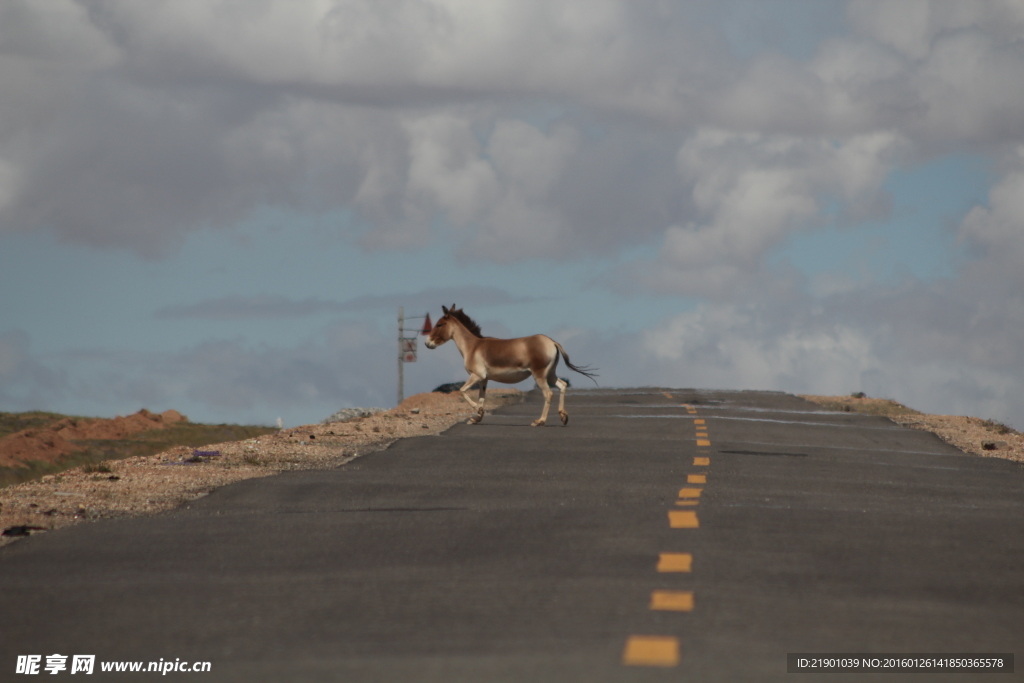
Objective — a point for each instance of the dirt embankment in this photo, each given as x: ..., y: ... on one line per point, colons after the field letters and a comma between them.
x: 58, y: 440
x: 147, y: 484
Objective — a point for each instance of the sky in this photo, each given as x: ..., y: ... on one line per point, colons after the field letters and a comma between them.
x: 219, y: 206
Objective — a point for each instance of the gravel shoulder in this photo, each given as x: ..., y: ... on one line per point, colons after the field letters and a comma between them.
x: 972, y: 435
x: 150, y: 484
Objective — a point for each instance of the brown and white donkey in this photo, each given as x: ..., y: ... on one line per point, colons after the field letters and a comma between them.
x: 504, y: 360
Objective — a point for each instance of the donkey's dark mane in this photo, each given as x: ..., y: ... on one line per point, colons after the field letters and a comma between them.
x: 468, y: 322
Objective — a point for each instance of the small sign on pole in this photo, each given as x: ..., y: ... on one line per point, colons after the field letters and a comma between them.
x: 409, y: 349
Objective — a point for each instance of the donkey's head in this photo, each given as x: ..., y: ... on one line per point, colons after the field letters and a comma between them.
x: 443, y: 329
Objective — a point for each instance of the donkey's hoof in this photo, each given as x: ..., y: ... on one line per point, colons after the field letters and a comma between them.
x: 538, y: 423
x: 474, y: 420
x: 565, y: 416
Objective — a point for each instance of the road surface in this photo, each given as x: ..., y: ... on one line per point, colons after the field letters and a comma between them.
x: 665, y: 534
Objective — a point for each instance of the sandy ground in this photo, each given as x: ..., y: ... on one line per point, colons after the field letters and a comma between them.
x: 145, y: 485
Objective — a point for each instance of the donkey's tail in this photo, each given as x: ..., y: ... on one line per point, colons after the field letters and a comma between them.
x: 585, y: 370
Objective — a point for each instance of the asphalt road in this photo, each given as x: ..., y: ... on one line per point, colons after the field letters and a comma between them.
x: 663, y: 535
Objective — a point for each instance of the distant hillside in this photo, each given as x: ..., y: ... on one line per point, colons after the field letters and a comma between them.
x: 36, y: 443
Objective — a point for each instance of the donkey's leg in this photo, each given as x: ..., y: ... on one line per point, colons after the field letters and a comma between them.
x: 479, y: 404
x: 473, y: 379
x: 542, y: 382
x: 562, y: 386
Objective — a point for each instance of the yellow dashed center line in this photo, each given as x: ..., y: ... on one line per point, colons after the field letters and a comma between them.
x: 676, y: 601
x: 651, y: 651
x: 661, y: 650
x: 674, y: 562
x: 682, y: 519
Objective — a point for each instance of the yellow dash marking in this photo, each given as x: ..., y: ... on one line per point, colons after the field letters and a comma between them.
x: 702, y: 462
x: 689, y: 501
x: 702, y: 435
x: 651, y: 651
x: 666, y: 395
x: 677, y: 601
x: 703, y: 442
x: 682, y: 519
x: 674, y: 562
x: 696, y: 478
x: 689, y: 493
x: 698, y: 421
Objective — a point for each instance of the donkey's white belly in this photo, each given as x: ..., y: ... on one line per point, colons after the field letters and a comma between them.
x: 507, y: 376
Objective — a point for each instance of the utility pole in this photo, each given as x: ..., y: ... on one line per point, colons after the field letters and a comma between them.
x: 407, y: 347
x: 401, y: 353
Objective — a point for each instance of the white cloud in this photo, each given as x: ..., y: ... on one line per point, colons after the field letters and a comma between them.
x: 942, y: 72
x: 961, y: 61
x: 914, y: 26
x: 58, y: 32
x: 997, y: 230
x: 130, y: 126
x: 446, y: 166
x: 750, y: 192
x: 147, y: 123
x: 738, y: 347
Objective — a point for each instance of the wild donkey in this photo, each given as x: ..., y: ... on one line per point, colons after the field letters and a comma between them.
x: 503, y: 360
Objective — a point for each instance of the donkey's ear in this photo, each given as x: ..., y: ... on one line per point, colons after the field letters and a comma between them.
x: 453, y: 307
x: 444, y: 309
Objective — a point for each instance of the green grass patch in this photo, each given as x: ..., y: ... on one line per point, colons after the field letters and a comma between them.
x: 95, y: 451
x: 35, y: 419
